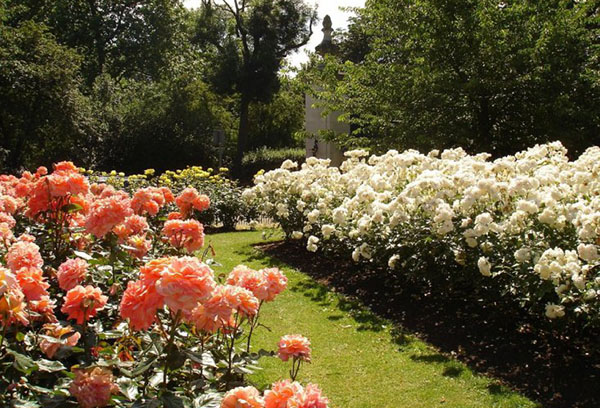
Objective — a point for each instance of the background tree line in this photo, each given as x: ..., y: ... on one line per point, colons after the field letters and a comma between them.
x: 128, y: 84
x: 123, y: 84
x: 487, y: 75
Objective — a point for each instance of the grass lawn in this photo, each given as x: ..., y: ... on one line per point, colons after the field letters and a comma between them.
x: 359, y: 360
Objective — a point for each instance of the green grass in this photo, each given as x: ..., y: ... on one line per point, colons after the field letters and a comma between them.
x: 358, y: 359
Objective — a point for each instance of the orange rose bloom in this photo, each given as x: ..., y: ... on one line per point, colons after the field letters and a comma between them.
x: 32, y: 283
x: 81, y: 303
x: 185, y: 283
x: 214, y: 313
x: 12, y: 308
x: 242, y: 300
x: 105, y: 213
x: 152, y: 270
x: 24, y: 255
x: 148, y: 201
x: 44, y: 306
x: 250, y: 279
x: 66, y: 336
x: 295, y: 346
x: 141, y: 245
x: 139, y: 304
x: 276, y: 282
x: 242, y: 397
x: 281, y: 392
x: 93, y: 387
x: 184, y: 234
x: 71, y: 273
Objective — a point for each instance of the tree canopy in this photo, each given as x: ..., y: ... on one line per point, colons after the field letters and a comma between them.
x: 484, y: 75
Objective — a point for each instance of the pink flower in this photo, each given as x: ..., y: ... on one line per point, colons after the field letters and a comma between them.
x: 93, y: 387
x: 276, y: 282
x: 32, y: 283
x: 105, y: 213
x: 148, y: 201
x: 152, y: 270
x: 184, y: 234
x: 242, y: 397
x: 242, y: 300
x: 139, y: 304
x: 281, y: 392
x: 189, y: 199
x: 81, y: 303
x: 24, y: 255
x: 214, y: 313
x: 250, y: 279
x: 71, y: 273
x: 185, y: 283
x: 44, y: 306
x: 64, y: 335
x: 295, y: 346
x: 141, y: 245
x: 133, y: 225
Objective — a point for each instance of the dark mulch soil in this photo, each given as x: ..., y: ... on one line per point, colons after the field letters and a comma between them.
x: 524, y: 352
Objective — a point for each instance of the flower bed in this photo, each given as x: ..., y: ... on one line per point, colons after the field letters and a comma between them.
x: 102, y: 302
x: 227, y: 207
x: 525, y: 227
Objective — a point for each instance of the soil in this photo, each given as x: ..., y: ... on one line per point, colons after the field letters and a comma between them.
x: 523, y: 352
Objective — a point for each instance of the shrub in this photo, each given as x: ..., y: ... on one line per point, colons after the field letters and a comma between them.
x: 269, y: 159
x: 103, y: 303
x: 521, y: 229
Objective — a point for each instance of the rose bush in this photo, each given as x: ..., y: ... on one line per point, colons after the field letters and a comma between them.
x: 103, y: 301
x: 526, y: 227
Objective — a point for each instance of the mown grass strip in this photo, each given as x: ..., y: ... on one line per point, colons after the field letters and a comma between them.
x: 359, y: 360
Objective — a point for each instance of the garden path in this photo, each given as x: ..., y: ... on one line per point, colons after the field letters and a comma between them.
x: 359, y: 359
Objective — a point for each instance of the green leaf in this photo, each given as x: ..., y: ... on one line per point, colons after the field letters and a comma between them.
x: 143, y: 367
x: 83, y: 255
x: 71, y: 208
x: 23, y: 363
x: 172, y: 401
x: 50, y: 366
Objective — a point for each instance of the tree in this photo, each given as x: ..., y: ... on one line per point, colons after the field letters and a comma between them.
x: 485, y: 75
x: 124, y: 38
x: 251, y: 38
x: 43, y: 115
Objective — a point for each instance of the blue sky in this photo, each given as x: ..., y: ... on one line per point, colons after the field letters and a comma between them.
x: 331, y: 7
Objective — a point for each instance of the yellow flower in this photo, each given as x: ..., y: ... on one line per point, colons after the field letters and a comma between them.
x: 113, y: 173
x: 149, y: 172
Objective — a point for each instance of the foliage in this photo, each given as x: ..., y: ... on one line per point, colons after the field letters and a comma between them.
x: 484, y: 75
x: 227, y: 207
x: 269, y: 159
x: 143, y: 322
x: 250, y: 40
x: 43, y: 114
x: 520, y: 230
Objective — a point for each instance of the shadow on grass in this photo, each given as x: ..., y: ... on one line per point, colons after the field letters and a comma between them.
x: 542, y: 364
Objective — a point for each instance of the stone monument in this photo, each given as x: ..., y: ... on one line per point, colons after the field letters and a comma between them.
x: 314, y: 120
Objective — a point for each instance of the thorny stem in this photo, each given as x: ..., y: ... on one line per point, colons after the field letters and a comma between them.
x: 295, y: 368
x: 172, y: 334
x: 253, y: 324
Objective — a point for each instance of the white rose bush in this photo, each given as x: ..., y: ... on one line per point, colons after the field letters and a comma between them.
x: 525, y: 227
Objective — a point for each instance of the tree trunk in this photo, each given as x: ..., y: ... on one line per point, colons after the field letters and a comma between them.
x: 242, y: 134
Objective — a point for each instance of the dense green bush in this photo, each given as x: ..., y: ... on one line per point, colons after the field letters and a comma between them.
x: 269, y: 159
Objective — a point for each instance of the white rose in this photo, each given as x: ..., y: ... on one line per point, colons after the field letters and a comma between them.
x: 485, y: 267
x: 554, y: 311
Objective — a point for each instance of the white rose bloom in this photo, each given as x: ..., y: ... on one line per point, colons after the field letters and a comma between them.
x: 587, y: 252
x: 297, y: 235
x: 288, y: 165
x: 554, y: 311
x: 327, y: 230
x: 312, y: 243
x: 485, y: 267
x: 523, y: 254
x: 471, y: 242
x: 393, y: 260
x: 356, y: 255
